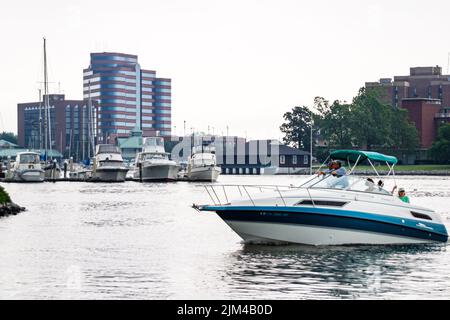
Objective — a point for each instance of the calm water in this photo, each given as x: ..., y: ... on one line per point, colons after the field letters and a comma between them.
x: 143, y: 241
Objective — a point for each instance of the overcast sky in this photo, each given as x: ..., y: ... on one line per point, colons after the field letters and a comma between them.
x: 237, y: 63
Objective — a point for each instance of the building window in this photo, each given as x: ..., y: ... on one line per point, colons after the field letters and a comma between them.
x: 305, y: 160
x: 294, y: 159
x: 282, y: 160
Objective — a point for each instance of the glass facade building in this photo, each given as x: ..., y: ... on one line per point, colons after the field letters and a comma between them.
x: 129, y: 97
x: 69, y: 126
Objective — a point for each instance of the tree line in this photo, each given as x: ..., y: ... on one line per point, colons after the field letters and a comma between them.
x: 365, y: 123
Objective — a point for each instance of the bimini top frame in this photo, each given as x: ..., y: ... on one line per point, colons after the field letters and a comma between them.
x: 358, y: 156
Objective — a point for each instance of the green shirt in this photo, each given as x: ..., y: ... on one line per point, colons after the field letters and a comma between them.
x: 404, y: 199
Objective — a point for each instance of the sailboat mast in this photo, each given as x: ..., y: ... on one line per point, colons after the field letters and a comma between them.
x: 49, y: 126
x: 45, y: 104
x: 40, y: 121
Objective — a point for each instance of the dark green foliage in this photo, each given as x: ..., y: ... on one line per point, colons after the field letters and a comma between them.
x: 297, y: 127
x: 440, y: 150
x: 366, y: 123
x: 4, y: 196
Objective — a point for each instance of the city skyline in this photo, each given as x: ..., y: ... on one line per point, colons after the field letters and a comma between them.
x: 227, y: 70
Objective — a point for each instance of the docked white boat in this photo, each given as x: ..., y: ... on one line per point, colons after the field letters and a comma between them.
x: 202, y: 165
x: 327, y: 210
x: 153, y: 164
x: 108, y: 164
x: 26, y: 168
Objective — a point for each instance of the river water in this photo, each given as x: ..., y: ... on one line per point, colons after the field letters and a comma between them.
x: 143, y: 241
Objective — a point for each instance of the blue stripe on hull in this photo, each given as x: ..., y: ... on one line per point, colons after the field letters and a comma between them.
x: 322, y: 217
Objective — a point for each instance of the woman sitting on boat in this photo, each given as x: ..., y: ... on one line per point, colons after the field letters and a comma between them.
x: 401, y: 194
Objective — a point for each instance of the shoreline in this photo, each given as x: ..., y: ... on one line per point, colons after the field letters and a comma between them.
x: 383, y: 173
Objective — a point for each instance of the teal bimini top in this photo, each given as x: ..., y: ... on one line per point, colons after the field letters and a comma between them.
x: 353, y: 155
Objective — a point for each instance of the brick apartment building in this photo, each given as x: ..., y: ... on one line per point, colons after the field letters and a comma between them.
x: 425, y: 92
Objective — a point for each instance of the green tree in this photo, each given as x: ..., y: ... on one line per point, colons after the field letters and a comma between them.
x: 370, y: 121
x: 333, y: 122
x: 4, y: 196
x: 404, y: 134
x: 8, y: 136
x: 440, y: 150
x: 366, y: 123
x: 297, y: 127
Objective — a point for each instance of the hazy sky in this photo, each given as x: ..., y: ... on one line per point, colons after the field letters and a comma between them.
x: 236, y: 63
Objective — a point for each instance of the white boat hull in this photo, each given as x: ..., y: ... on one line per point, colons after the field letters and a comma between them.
x: 204, y: 174
x: 110, y: 174
x: 30, y: 176
x: 277, y: 233
x: 26, y: 176
x: 158, y: 172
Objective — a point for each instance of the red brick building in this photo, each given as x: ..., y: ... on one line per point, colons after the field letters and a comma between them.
x: 425, y: 92
x: 422, y: 112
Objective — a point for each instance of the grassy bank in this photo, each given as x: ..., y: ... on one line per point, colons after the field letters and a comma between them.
x: 408, y: 168
x: 425, y: 167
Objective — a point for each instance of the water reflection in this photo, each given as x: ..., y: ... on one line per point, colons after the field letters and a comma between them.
x: 144, y: 241
x: 304, y: 272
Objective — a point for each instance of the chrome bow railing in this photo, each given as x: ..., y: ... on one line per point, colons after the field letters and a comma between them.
x: 221, y: 194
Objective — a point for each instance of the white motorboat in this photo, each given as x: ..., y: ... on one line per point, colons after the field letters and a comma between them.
x: 153, y: 164
x: 202, y: 165
x: 108, y: 164
x: 26, y: 168
x: 328, y: 210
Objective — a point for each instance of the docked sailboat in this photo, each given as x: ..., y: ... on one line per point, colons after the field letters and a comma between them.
x: 328, y: 210
x: 153, y: 164
x: 202, y: 165
x: 26, y: 168
x: 108, y: 164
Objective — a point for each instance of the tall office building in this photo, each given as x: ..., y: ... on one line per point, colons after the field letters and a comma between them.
x: 129, y: 97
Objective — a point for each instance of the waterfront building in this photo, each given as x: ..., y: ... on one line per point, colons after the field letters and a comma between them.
x: 236, y: 155
x: 130, y: 146
x: 11, y: 153
x: 7, y: 145
x: 69, y: 126
x: 129, y: 97
x: 264, y: 157
x: 425, y: 92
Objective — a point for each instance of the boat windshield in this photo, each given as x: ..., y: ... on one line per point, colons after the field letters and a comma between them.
x: 349, y: 183
x: 107, y: 148
x: 150, y: 156
x: 29, y: 158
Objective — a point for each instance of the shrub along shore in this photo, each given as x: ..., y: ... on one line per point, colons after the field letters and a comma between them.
x: 7, y: 207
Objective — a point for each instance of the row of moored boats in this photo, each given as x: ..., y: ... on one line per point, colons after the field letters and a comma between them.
x: 151, y: 164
